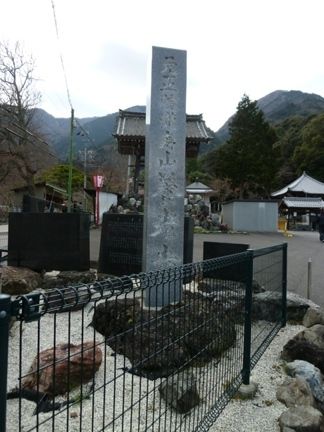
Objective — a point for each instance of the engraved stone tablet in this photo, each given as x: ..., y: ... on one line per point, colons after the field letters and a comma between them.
x: 121, y: 243
x: 165, y: 170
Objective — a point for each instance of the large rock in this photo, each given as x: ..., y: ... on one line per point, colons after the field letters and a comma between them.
x: 211, y: 286
x: 231, y: 302
x: 151, y: 349
x: 202, y: 326
x: 295, y: 392
x: 19, y: 280
x: 267, y: 306
x: 116, y: 316
x: 76, y: 277
x: 180, y: 392
x: 313, y: 316
x: 224, y: 297
x: 228, y: 295
x: 307, y: 345
x: 62, y: 279
x: 158, y: 342
x: 143, y: 336
x: 302, y: 419
x: 74, y: 365
x: 309, y: 373
x: 50, y: 283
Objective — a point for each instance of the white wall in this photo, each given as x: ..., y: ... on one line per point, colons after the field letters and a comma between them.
x: 106, y: 200
x: 251, y: 215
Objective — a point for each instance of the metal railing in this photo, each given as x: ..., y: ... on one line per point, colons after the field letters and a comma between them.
x: 95, y: 357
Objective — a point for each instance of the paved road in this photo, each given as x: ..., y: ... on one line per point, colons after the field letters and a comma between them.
x: 302, y: 246
x: 3, y: 228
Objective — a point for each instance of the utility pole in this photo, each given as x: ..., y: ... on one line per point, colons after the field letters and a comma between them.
x: 85, y: 179
x: 128, y: 174
x: 70, y: 162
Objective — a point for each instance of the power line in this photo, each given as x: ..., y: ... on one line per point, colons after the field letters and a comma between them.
x: 61, y: 56
x: 56, y: 101
x: 85, y: 132
x: 26, y: 131
x: 31, y: 142
x: 65, y: 75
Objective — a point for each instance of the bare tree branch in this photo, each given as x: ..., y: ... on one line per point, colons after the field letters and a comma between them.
x: 18, y: 97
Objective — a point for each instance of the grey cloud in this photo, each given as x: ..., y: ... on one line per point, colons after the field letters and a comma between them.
x: 123, y: 63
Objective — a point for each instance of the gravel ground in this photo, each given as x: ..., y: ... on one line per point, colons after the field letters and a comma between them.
x: 262, y: 412
x: 259, y: 414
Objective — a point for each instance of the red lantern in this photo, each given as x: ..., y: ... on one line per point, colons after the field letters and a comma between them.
x: 98, y: 181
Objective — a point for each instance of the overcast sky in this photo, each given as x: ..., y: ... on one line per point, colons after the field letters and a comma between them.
x: 233, y: 47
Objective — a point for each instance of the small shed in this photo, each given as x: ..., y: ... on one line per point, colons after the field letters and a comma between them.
x: 46, y: 194
x: 251, y: 215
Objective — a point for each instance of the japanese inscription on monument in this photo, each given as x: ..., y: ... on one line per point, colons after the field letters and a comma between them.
x: 165, y: 166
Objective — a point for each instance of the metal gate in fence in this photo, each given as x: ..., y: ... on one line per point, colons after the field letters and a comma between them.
x: 93, y: 357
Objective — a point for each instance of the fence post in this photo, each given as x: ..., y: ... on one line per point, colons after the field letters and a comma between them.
x: 5, y: 316
x: 309, y: 278
x: 284, y: 284
x: 248, y: 321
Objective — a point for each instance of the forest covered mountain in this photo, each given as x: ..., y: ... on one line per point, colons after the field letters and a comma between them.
x: 272, y: 141
x: 297, y: 117
x: 277, y: 107
x: 56, y: 131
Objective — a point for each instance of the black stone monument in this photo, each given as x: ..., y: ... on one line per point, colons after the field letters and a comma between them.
x: 121, y: 243
x: 235, y: 272
x: 49, y: 241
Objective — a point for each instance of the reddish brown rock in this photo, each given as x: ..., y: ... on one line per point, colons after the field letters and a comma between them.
x: 74, y: 364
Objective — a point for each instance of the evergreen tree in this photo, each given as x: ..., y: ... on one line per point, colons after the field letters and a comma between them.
x: 195, y: 170
x: 58, y: 175
x: 248, y: 159
x: 309, y: 156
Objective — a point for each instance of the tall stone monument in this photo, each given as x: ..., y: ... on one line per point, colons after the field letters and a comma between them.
x: 165, y: 152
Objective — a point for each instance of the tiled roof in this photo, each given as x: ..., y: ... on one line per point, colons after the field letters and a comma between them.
x: 305, y: 184
x: 301, y: 202
x: 132, y: 124
x: 198, y: 187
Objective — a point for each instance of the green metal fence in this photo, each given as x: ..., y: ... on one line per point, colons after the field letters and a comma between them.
x: 94, y: 357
